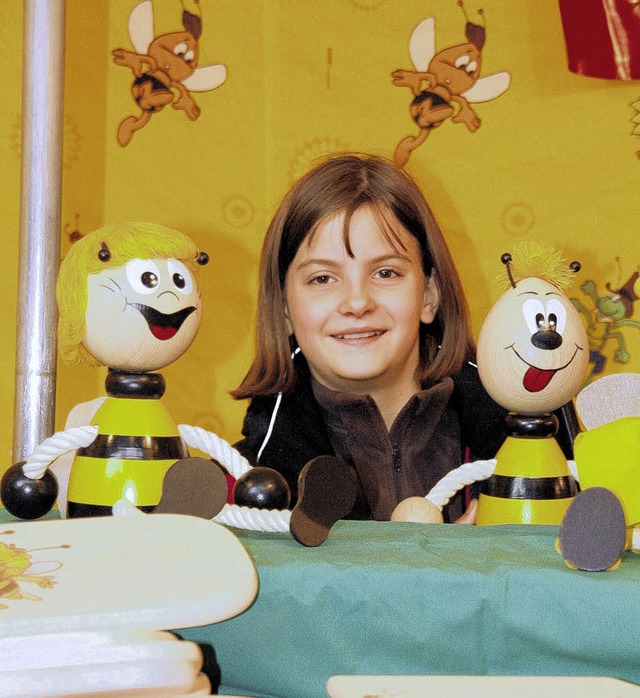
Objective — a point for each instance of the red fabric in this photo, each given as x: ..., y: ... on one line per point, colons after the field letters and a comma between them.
x: 231, y: 481
x: 602, y: 37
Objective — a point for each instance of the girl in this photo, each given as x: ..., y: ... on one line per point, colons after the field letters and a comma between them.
x: 363, y: 341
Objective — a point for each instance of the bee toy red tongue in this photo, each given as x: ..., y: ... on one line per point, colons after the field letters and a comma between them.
x: 162, y: 333
x: 537, y: 379
x: 532, y: 324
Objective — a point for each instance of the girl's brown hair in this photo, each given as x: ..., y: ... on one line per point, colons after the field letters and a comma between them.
x: 342, y: 184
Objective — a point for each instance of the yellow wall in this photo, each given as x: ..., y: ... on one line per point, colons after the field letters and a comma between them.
x: 554, y: 159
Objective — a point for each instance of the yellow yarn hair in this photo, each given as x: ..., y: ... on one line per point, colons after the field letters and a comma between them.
x: 125, y: 241
x: 531, y: 259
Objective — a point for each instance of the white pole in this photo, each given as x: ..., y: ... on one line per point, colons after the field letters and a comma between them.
x: 40, y: 215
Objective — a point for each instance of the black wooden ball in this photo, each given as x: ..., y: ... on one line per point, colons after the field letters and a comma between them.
x: 25, y: 498
x: 262, y: 488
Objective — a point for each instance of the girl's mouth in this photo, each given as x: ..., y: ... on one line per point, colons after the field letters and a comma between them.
x: 359, y: 335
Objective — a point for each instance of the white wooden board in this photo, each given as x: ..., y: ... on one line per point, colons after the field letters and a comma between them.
x: 479, y: 687
x: 152, y: 572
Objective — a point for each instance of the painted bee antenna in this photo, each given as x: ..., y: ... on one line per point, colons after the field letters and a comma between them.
x: 575, y: 266
x: 506, y: 260
x: 104, y: 255
x: 475, y: 33
x: 202, y: 259
x: 464, y: 13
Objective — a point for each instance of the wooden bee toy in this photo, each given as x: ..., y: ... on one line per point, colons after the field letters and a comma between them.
x: 532, y: 358
x: 128, y: 299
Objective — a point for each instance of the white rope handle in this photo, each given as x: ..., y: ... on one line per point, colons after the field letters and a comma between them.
x: 467, y: 474
x: 55, y: 446
x: 217, y: 448
x: 456, y: 479
x: 251, y: 519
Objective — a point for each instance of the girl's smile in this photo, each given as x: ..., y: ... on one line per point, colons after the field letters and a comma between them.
x: 357, y: 317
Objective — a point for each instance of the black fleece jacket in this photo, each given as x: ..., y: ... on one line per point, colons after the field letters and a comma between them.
x: 300, y: 432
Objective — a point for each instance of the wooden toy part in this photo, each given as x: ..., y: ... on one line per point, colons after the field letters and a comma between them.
x: 609, y: 456
x: 479, y: 687
x: 263, y: 488
x: 531, y: 484
x: 609, y: 398
x: 153, y: 326
x: 327, y: 489
x: 532, y: 349
x: 26, y: 498
x: 136, y: 444
x: 417, y: 510
x: 593, y: 534
x: 97, y: 664
x: 193, y: 486
x: 152, y: 572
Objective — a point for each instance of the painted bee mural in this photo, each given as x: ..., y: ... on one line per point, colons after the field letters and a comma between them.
x: 163, y: 66
x: 444, y: 79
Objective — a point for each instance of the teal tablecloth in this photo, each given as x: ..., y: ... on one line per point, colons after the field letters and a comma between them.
x: 391, y: 598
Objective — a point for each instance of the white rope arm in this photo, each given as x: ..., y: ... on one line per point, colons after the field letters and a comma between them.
x: 251, y: 519
x: 55, y: 446
x: 217, y: 448
x: 247, y: 518
x: 467, y: 473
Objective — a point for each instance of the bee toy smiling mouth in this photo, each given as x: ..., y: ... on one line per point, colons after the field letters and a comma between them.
x: 162, y: 325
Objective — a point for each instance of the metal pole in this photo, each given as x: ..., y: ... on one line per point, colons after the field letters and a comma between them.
x: 40, y: 214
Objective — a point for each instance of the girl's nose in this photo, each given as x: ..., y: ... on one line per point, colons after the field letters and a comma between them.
x: 356, y: 299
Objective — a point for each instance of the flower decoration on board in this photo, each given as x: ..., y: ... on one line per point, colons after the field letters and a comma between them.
x: 17, y: 567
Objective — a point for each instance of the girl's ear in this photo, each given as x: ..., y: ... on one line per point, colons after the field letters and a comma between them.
x: 431, y: 300
x: 287, y: 319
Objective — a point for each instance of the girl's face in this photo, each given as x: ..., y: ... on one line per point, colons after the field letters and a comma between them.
x: 357, y: 319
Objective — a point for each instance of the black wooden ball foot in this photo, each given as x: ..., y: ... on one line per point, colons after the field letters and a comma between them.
x: 25, y: 498
x: 262, y: 488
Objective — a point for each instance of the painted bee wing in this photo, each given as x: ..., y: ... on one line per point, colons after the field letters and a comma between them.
x: 208, y: 77
x: 422, y: 44
x: 608, y: 399
x: 141, y: 26
x: 43, y: 567
x: 488, y: 88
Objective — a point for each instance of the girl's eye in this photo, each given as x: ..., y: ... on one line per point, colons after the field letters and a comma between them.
x: 386, y: 273
x: 321, y: 279
x: 142, y: 275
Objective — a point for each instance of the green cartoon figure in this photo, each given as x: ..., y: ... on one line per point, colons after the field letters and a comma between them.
x: 610, y: 312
